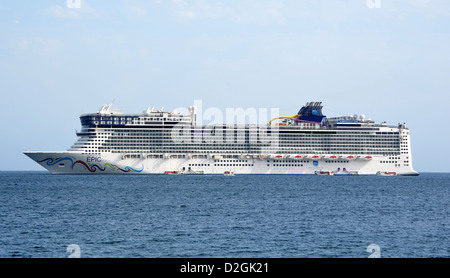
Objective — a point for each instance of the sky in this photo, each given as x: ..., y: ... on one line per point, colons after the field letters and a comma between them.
x: 386, y: 59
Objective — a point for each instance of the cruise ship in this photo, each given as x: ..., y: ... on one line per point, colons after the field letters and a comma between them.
x: 162, y: 142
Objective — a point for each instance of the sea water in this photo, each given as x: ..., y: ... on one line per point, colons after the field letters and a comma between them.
x: 242, y: 216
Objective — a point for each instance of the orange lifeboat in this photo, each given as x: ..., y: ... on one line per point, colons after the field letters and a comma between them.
x: 332, y: 157
x: 173, y: 173
x: 228, y: 173
x: 386, y: 173
x: 324, y: 173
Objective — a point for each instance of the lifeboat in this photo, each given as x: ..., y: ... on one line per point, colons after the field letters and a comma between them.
x: 349, y: 157
x: 278, y: 157
x: 379, y: 173
x: 316, y: 157
x: 173, y: 173
x: 332, y: 157
x: 298, y: 156
x: 367, y: 157
x: 324, y: 173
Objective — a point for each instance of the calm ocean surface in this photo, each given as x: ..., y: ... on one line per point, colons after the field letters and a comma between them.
x: 261, y: 216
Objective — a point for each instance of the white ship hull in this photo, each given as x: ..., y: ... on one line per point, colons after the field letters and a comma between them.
x: 159, y: 142
x: 78, y: 163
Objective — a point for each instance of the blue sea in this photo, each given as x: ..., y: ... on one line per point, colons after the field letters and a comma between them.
x: 248, y: 216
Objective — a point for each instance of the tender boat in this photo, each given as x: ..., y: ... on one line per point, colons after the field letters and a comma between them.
x: 380, y: 173
x: 228, y: 173
x: 173, y: 173
x: 324, y: 173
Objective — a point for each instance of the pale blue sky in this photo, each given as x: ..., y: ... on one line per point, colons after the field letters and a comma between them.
x: 390, y: 63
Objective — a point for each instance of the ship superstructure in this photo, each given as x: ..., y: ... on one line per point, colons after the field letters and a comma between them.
x: 161, y: 142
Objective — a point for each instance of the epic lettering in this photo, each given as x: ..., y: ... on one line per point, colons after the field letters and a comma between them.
x: 93, y: 159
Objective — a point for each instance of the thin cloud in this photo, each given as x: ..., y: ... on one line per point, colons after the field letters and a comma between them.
x: 60, y: 12
x: 182, y: 2
x: 138, y: 11
x: 246, y: 12
x: 189, y: 15
x: 40, y: 45
x: 68, y: 12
